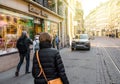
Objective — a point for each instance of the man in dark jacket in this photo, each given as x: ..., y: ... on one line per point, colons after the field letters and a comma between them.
x: 57, y: 41
x: 23, y: 44
x: 50, y: 60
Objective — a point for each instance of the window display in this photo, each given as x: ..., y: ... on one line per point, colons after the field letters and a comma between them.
x: 51, y: 27
x: 11, y: 27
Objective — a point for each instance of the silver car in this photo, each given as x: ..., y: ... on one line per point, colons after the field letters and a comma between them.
x: 81, y: 41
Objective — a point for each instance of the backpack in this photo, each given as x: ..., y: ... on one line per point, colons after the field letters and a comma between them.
x: 36, y: 45
x: 21, y: 45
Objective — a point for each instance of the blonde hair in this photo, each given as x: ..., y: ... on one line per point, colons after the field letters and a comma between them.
x: 45, y: 37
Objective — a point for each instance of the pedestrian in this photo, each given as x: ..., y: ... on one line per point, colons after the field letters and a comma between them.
x: 53, y: 42
x: 23, y: 46
x: 50, y: 61
x: 36, y: 44
x: 57, y: 42
x: 68, y: 45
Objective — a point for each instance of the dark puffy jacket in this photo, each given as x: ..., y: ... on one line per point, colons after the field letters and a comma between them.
x: 26, y: 47
x: 28, y: 43
x: 52, y: 64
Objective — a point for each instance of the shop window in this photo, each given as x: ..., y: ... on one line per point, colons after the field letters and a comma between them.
x: 11, y: 26
x: 10, y: 30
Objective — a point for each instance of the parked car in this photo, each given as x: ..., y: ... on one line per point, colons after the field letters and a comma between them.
x: 81, y: 41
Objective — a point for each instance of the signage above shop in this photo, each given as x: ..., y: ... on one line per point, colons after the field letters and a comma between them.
x: 44, y: 14
x: 37, y: 11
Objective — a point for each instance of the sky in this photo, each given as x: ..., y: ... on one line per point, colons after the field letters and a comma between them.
x: 89, y: 5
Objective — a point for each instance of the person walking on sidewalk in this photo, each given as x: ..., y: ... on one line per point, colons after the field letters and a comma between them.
x: 22, y: 45
x: 36, y: 44
x: 57, y: 41
x: 53, y: 42
x: 50, y: 60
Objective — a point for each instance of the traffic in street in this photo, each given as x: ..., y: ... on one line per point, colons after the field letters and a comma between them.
x: 99, y: 65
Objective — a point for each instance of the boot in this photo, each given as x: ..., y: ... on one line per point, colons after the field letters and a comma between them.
x: 16, y: 73
x: 27, y: 72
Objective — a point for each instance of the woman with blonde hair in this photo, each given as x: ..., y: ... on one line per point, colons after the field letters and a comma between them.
x: 50, y: 60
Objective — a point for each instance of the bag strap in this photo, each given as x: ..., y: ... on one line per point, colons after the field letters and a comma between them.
x: 40, y: 66
x: 38, y: 63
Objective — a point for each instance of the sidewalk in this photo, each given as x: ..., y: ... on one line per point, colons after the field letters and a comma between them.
x: 8, y: 68
x: 8, y: 77
x: 9, y: 61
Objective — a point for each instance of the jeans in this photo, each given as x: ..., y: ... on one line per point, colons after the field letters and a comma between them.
x: 57, y: 44
x: 22, y: 56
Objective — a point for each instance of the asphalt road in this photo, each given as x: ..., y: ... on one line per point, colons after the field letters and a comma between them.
x: 100, y: 65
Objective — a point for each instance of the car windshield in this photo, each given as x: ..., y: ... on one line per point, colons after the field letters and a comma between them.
x: 82, y: 36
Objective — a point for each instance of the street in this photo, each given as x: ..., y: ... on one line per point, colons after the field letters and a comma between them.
x: 100, y: 65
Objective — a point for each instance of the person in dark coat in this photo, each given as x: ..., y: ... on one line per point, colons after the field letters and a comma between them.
x: 57, y: 41
x: 53, y: 42
x: 50, y: 60
x: 24, y: 51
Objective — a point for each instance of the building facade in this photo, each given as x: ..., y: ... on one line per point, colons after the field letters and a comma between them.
x: 29, y: 15
x: 97, y: 21
x: 90, y: 23
x: 53, y: 16
x: 114, y: 15
x: 106, y: 18
x: 78, y: 19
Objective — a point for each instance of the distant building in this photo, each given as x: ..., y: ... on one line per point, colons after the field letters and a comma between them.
x: 104, y: 19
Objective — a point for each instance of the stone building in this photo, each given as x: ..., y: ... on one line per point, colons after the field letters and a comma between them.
x: 104, y: 19
x: 34, y: 16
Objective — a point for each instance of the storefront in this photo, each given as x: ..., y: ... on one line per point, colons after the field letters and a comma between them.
x: 11, y: 26
x: 51, y: 27
x: 46, y: 22
x: 38, y: 25
x: 26, y: 15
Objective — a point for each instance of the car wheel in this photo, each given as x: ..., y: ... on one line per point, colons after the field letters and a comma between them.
x: 72, y: 49
x: 89, y: 48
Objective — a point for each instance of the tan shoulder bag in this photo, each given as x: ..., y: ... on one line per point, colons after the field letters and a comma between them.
x: 54, y: 81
